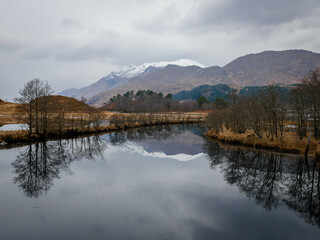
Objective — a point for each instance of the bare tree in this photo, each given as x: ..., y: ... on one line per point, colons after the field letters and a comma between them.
x: 312, y: 83
x: 298, y: 98
x: 274, y: 110
x: 255, y: 114
x: 29, y: 99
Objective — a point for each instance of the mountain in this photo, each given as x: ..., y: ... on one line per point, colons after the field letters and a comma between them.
x: 118, y: 78
x: 272, y: 67
x: 170, y: 79
x: 260, y: 69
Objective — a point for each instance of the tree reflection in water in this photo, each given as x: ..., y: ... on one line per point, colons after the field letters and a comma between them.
x: 41, y: 163
x: 160, y: 132
x: 271, y: 179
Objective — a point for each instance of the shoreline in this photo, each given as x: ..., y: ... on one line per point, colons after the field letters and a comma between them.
x: 293, y: 146
x: 21, y: 137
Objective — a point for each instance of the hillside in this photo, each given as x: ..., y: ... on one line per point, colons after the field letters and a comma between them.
x: 223, y: 90
x: 70, y: 104
x: 210, y: 92
x: 260, y: 69
x: 9, y: 109
x: 268, y: 67
x: 7, y: 112
x: 105, y: 83
x: 117, y: 78
x: 170, y: 79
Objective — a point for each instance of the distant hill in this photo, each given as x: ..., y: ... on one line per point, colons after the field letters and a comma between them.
x: 117, y: 78
x: 105, y: 83
x: 260, y: 69
x: 210, y: 92
x: 223, y: 90
x: 170, y: 79
x: 72, y: 104
x: 269, y: 67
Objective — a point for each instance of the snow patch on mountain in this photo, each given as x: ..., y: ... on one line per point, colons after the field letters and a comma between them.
x: 132, y: 147
x: 131, y: 71
x: 117, y: 78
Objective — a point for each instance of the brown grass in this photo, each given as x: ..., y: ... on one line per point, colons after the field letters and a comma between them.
x: 7, y: 108
x: 289, y: 143
x: 72, y: 103
x: 22, y: 135
x: 7, y: 112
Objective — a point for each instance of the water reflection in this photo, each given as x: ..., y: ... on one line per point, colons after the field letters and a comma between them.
x: 303, y: 193
x: 39, y: 164
x: 170, y: 140
x: 141, y: 134
x: 271, y: 179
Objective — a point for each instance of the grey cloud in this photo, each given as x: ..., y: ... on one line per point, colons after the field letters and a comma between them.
x: 69, y: 22
x: 87, y: 44
x: 86, y: 53
x: 165, y: 21
x: 82, y: 41
x: 10, y: 43
x: 43, y: 50
x: 252, y: 12
x: 100, y: 45
x: 8, y: 46
x: 117, y: 48
x: 231, y: 14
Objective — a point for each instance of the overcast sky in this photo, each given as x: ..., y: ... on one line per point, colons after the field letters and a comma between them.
x: 74, y: 43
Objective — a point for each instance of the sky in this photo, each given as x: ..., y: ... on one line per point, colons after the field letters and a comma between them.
x: 76, y: 42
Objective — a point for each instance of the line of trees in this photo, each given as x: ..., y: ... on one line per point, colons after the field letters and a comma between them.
x: 150, y: 101
x: 44, y: 113
x: 142, y: 100
x: 267, y: 111
x: 305, y: 101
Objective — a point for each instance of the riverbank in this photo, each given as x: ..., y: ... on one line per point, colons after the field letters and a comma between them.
x: 22, y: 136
x: 290, y: 143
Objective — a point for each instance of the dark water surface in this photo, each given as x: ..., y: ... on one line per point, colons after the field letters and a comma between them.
x: 156, y: 183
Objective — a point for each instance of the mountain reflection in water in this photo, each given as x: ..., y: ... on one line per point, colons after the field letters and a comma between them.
x: 270, y: 179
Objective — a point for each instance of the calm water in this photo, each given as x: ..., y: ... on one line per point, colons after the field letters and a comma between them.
x: 155, y: 183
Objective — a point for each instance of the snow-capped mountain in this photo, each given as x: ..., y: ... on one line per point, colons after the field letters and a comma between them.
x: 131, y: 71
x: 259, y: 69
x: 117, y: 78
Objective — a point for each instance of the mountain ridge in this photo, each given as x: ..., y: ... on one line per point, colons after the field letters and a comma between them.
x: 117, y: 78
x: 257, y: 69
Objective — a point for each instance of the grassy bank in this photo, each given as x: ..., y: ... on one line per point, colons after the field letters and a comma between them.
x: 289, y: 143
x: 21, y: 136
